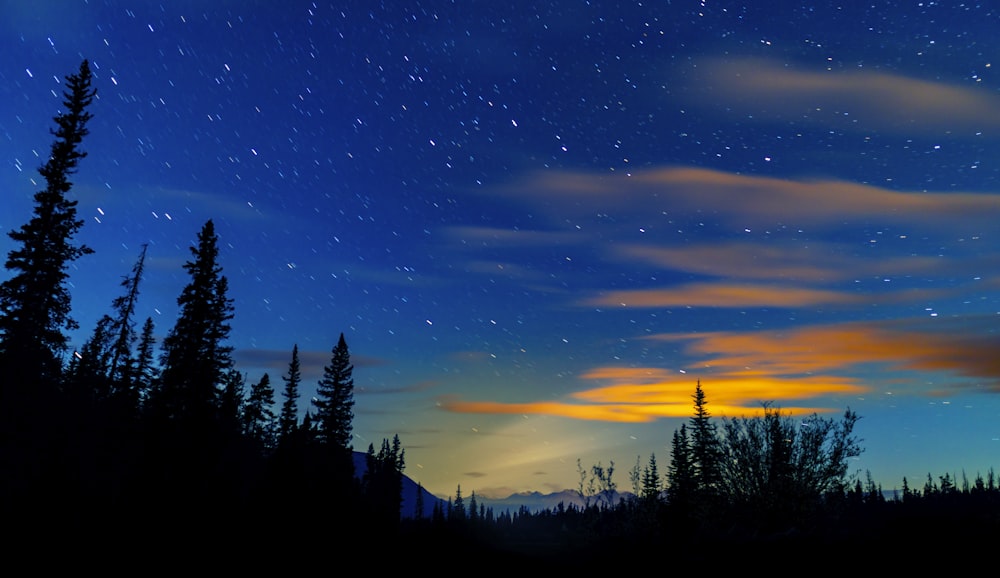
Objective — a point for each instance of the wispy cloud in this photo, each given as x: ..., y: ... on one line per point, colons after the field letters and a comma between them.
x: 798, y: 261
x: 743, y: 370
x: 653, y: 196
x: 723, y: 295
x: 311, y: 363
x: 954, y: 349
x: 762, y: 89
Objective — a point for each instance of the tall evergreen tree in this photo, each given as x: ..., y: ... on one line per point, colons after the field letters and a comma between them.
x: 335, y: 399
x: 258, y: 414
x: 651, y: 485
x: 144, y: 373
x: 121, y: 370
x: 680, y: 473
x: 418, y: 506
x: 195, y: 358
x: 383, y: 482
x: 104, y: 367
x: 706, y: 448
x: 35, y: 302
x: 289, y: 418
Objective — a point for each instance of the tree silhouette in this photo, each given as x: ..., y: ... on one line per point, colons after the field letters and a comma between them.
x: 122, y: 365
x: 334, y: 403
x: 289, y: 418
x: 706, y: 452
x: 145, y: 374
x: 383, y: 483
x: 195, y: 358
x: 335, y: 399
x: 35, y: 302
x: 35, y: 456
x: 779, y: 470
x: 651, y: 485
x: 258, y: 415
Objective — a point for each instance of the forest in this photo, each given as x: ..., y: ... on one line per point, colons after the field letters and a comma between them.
x: 130, y: 447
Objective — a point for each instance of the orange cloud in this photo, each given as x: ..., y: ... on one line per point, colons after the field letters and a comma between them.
x: 743, y: 370
x: 769, y: 90
x: 732, y: 396
x: 848, y: 347
x: 602, y: 412
x: 723, y: 295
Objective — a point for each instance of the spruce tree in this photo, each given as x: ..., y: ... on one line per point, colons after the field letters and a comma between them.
x: 144, y: 373
x: 104, y: 369
x: 680, y: 473
x: 35, y: 302
x: 258, y: 414
x: 195, y: 359
x: 289, y: 418
x: 121, y: 369
x: 651, y: 480
x: 706, y: 449
x: 335, y: 399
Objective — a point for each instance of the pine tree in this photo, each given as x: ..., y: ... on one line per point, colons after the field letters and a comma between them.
x: 289, y: 418
x: 418, y: 508
x: 651, y: 486
x: 335, y: 399
x: 195, y: 359
x: 473, y: 507
x: 35, y: 302
x: 383, y: 483
x: 122, y: 366
x: 258, y: 414
x: 706, y: 450
x: 104, y: 368
x: 458, y: 507
x: 144, y: 373
x: 230, y: 404
x: 680, y: 474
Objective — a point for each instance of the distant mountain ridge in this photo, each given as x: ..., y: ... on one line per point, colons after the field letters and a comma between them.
x: 537, y: 501
x: 532, y: 501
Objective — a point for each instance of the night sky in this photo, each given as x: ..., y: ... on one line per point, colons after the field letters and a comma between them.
x: 539, y: 225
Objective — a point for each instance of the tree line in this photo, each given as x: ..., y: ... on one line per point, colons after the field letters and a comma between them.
x: 132, y: 430
x: 736, y: 486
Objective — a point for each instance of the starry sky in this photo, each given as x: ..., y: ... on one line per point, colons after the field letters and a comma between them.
x: 538, y: 225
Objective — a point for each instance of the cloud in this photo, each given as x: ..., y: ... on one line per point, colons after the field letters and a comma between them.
x: 910, y: 345
x: 656, y: 196
x: 723, y: 295
x: 311, y: 363
x: 812, y: 262
x: 762, y: 89
x: 740, y: 371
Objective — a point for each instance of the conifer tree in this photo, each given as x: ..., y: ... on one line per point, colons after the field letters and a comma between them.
x: 335, y: 399
x: 458, y: 507
x: 383, y: 482
x: 121, y: 370
x: 706, y: 449
x: 651, y: 480
x: 680, y: 474
x: 418, y: 508
x: 195, y: 358
x: 230, y: 404
x: 289, y: 418
x: 258, y: 415
x: 35, y: 302
x: 104, y: 368
x: 144, y: 373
